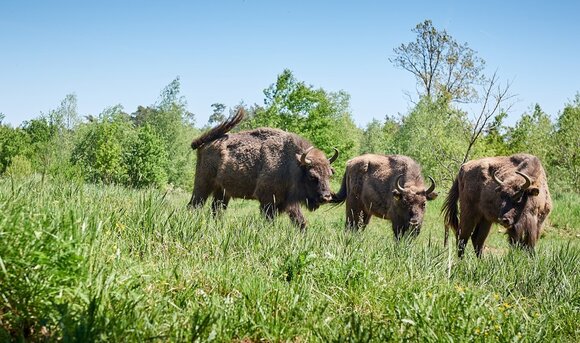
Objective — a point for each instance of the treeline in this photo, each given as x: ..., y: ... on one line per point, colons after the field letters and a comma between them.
x: 150, y: 146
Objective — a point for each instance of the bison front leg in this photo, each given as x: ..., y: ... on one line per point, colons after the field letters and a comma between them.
x: 296, y: 216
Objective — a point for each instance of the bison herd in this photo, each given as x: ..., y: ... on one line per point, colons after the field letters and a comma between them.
x: 283, y: 170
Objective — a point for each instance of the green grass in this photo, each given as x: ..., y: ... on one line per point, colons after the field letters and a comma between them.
x: 93, y: 263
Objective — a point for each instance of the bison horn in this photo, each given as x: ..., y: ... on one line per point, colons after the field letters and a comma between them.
x: 432, y: 188
x: 499, y: 182
x: 398, y: 184
x: 334, y: 157
x: 527, y: 178
x: 303, y: 158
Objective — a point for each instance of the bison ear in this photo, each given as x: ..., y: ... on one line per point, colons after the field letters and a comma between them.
x: 396, y: 194
x: 432, y: 196
x: 533, y: 191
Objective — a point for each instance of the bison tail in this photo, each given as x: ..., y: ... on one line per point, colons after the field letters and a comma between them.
x: 218, y: 131
x: 340, y: 197
x: 450, y: 210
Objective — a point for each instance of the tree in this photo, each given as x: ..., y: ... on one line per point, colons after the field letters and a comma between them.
x: 320, y: 116
x: 147, y: 159
x: 103, y: 145
x: 443, y: 67
x: 532, y: 134
x: 434, y: 134
x: 565, y: 152
x: 218, y: 114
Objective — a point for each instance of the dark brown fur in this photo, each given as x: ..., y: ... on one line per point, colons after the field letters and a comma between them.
x: 262, y: 164
x: 483, y: 201
x: 369, y: 188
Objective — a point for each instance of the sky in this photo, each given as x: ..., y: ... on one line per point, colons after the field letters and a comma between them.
x: 126, y: 52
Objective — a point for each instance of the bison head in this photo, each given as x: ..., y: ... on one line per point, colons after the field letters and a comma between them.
x: 514, y: 192
x: 315, y: 177
x: 409, y: 205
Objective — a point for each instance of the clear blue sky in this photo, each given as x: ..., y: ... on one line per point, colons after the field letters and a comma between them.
x: 125, y: 52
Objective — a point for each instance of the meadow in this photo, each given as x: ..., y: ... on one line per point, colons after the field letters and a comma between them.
x: 84, y: 262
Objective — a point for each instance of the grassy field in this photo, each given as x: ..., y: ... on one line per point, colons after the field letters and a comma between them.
x: 92, y: 263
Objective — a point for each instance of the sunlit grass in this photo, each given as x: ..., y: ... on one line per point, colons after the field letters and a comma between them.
x: 93, y: 263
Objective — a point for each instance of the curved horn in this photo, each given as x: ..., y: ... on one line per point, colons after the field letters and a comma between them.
x: 303, y: 158
x: 499, y: 182
x: 432, y: 188
x: 528, y: 181
x: 334, y: 157
x: 398, y: 185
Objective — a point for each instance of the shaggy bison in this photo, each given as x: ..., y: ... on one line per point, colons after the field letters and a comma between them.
x: 389, y: 187
x: 279, y: 169
x: 511, y: 191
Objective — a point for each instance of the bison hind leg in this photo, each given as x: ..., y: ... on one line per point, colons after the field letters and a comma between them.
x: 220, y: 202
x: 269, y: 210
x: 198, y: 198
x: 356, y: 219
x: 480, y: 235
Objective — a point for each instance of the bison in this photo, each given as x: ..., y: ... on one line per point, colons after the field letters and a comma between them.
x: 509, y: 190
x: 279, y: 169
x: 387, y: 186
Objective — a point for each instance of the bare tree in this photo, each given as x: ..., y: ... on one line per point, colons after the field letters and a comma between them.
x: 495, y: 95
x: 442, y: 66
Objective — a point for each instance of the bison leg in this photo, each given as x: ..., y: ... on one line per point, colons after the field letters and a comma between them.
x: 268, y: 210
x: 480, y: 235
x: 220, y: 202
x: 356, y: 218
x: 296, y: 216
x: 200, y: 194
x: 466, y: 225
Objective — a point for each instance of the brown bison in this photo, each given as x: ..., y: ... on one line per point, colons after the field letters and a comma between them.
x: 279, y: 169
x: 389, y: 187
x: 511, y: 191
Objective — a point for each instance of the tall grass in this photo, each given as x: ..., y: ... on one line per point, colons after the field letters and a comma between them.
x: 91, y: 263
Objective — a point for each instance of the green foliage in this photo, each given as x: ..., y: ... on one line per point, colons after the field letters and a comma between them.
x: 13, y: 142
x: 102, y: 145
x: 19, y: 166
x: 379, y: 138
x: 319, y: 116
x: 565, y: 150
x: 434, y: 134
x: 147, y: 159
x: 532, y: 134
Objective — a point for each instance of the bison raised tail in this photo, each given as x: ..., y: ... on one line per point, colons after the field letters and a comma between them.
x: 450, y: 210
x: 218, y: 131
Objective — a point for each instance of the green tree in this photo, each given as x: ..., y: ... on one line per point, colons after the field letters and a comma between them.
x: 565, y: 151
x: 379, y: 137
x: 218, y: 114
x: 435, y: 135
x: 532, y: 134
x: 322, y: 117
x: 13, y: 142
x: 441, y: 65
x: 147, y: 159
x: 103, y: 145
